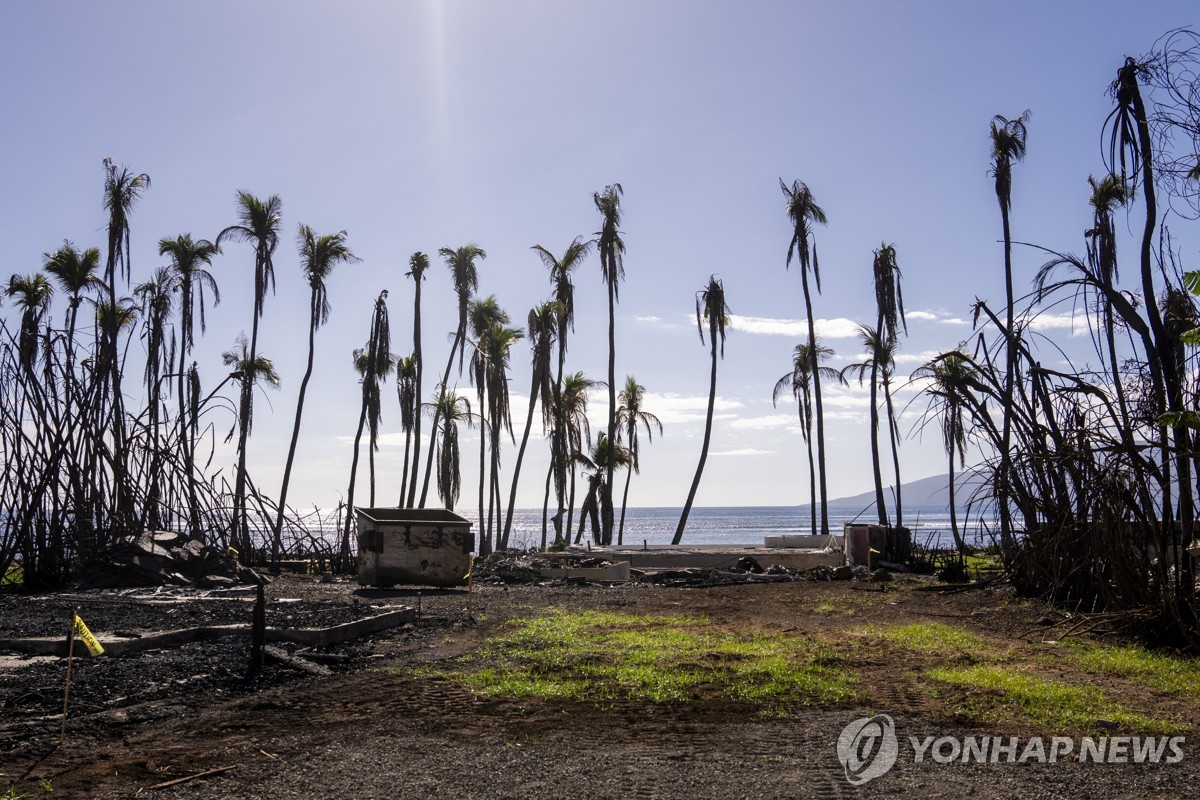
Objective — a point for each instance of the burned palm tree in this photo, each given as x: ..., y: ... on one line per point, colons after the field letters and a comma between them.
x: 418, y: 265
x: 804, y: 213
x: 542, y: 327
x: 318, y: 256
x: 258, y: 224
x: 612, y: 267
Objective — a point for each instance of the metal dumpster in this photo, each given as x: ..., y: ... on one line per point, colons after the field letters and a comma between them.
x: 430, y: 546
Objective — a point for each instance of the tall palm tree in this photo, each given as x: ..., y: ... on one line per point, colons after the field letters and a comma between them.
x: 804, y: 213
x: 258, y: 223
x: 465, y: 274
x: 881, y: 357
x: 542, y: 325
x: 563, y: 287
x: 1008, y: 146
x: 798, y: 381
x: 485, y: 316
x: 157, y: 296
x: 318, y: 256
x: 629, y: 416
x: 601, y: 461
x: 33, y: 293
x: 612, y: 267
x: 249, y: 369
x: 449, y: 409
x: 122, y: 189
x: 710, y: 307
x: 75, y: 274
x: 418, y: 264
x: 406, y: 394
x: 189, y: 261
x: 373, y: 364
x: 889, y: 304
x: 950, y: 375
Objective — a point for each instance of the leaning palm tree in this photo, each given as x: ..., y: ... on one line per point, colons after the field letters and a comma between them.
x: 33, y: 293
x: 710, y: 307
x: 1008, y: 146
x: 563, y: 287
x: 189, y: 261
x: 542, y: 325
x: 318, y: 256
x: 1107, y: 194
x: 630, y: 415
x: 373, y: 364
x: 249, y: 370
x: 950, y: 375
x: 798, y: 382
x: 418, y: 264
x: 612, y: 267
x: 258, y: 224
x: 465, y: 274
x: 75, y: 274
x: 804, y: 212
x: 122, y: 189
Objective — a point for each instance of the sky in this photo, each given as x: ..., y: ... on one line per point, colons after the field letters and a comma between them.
x: 430, y: 123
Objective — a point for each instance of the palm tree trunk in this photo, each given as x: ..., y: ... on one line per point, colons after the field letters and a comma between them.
x: 512, y: 493
x: 712, y: 400
x: 958, y: 540
x: 606, y: 508
x: 546, y: 509
x: 571, y: 508
x: 371, y: 469
x: 624, y: 500
x: 1006, y: 526
x: 820, y: 413
x: 458, y: 336
x: 419, y: 361
x: 880, y: 505
x: 277, y: 531
x: 485, y: 538
x: 345, y: 553
x: 812, y: 477
x: 894, y: 437
x: 404, y: 474
x: 558, y: 446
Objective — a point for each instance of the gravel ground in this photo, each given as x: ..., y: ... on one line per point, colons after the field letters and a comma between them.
x: 372, y: 729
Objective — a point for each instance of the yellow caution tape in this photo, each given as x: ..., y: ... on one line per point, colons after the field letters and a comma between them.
x: 873, y: 550
x: 93, y: 644
x: 470, y: 566
x: 233, y: 552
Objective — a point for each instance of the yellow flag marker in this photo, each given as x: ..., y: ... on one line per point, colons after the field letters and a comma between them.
x: 873, y: 550
x: 93, y: 644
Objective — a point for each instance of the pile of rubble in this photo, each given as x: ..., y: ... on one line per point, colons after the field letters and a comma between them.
x: 164, y: 558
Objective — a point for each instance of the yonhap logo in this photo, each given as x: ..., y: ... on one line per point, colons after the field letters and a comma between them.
x: 867, y: 748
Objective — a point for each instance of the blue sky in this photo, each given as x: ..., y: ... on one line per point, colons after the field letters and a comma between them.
x: 417, y: 125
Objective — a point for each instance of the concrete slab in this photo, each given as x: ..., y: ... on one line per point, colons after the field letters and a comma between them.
x: 713, y: 556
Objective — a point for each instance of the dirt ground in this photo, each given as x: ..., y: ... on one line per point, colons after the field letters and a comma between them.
x: 371, y: 728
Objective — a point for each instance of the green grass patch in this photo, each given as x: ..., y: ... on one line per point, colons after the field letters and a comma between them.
x: 1002, y: 691
x: 13, y: 576
x: 1167, y: 673
x: 603, y: 656
x: 825, y: 608
x: 936, y: 637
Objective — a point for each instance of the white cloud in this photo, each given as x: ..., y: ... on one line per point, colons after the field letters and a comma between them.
x: 835, y: 328
x: 745, y: 451
x: 1065, y: 321
x: 768, y: 422
x: 674, y: 408
x: 921, y: 316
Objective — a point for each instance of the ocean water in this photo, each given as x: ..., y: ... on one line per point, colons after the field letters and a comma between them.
x: 930, y: 525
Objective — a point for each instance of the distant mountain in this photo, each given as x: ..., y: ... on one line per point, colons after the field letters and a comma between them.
x: 931, y: 491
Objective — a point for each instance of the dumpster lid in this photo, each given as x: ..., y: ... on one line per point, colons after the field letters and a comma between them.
x: 412, y: 515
